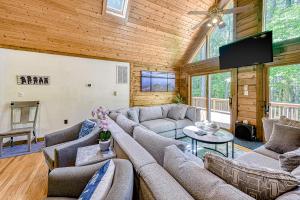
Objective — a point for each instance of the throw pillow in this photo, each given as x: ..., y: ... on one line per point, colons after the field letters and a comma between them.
x: 100, y: 184
x: 133, y: 115
x: 290, y: 160
x: 259, y: 183
x: 284, y: 139
x: 86, y: 128
x: 126, y: 124
x: 177, y: 112
x: 289, y: 122
x: 191, y: 113
x: 198, y: 181
x: 150, y: 113
x: 154, y: 143
x: 165, y: 109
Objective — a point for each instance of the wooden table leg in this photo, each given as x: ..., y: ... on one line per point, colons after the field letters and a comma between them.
x: 1, y: 145
x: 29, y: 142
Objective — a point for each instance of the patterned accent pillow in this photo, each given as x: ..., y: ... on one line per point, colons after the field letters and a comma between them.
x: 86, y: 128
x: 259, y: 183
x: 100, y: 184
x: 177, y: 112
x: 290, y: 160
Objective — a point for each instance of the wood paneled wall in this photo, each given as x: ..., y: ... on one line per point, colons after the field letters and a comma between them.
x: 139, y: 98
x: 251, y: 107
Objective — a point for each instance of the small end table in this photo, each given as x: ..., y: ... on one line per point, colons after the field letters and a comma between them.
x: 92, y: 154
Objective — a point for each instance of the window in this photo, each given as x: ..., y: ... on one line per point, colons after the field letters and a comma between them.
x: 157, y: 81
x: 220, y: 37
x: 217, y: 38
x: 117, y: 7
x: 283, y: 18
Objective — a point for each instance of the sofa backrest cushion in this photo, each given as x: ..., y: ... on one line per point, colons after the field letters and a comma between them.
x: 191, y: 113
x: 165, y: 109
x: 284, y: 139
x: 154, y: 143
x: 150, y: 113
x: 290, y: 160
x: 113, y: 115
x: 126, y: 124
x: 273, y: 183
x: 177, y: 112
x: 198, y: 181
x: 133, y: 114
x: 99, y: 185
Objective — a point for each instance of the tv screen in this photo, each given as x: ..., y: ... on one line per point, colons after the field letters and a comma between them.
x: 252, y: 50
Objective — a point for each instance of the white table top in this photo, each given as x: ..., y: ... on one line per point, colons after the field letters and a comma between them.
x: 92, y: 154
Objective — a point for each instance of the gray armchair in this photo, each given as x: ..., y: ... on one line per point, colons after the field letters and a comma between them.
x: 69, y: 182
x: 61, y: 146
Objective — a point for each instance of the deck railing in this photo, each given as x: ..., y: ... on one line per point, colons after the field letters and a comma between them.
x: 290, y: 110
x: 217, y: 104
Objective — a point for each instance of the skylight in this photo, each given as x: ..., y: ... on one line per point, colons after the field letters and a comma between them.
x: 117, y: 7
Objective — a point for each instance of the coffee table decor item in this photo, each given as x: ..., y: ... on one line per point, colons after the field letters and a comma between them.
x: 221, y: 136
x: 207, y: 127
x: 101, y: 115
x: 92, y: 154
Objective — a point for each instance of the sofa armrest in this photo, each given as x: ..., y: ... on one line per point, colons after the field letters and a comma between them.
x: 65, y: 154
x: 62, y: 136
x: 70, y: 181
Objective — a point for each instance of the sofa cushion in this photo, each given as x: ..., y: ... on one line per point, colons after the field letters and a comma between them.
x: 165, y: 109
x: 133, y: 114
x: 159, y: 125
x: 272, y: 183
x: 198, y: 181
x: 268, y: 127
x: 154, y: 143
x: 150, y: 113
x: 126, y: 124
x: 284, y: 138
x: 100, y: 184
x: 191, y: 113
x: 180, y: 124
x: 253, y: 158
x: 86, y: 128
x: 266, y: 152
x: 113, y: 115
x: 290, y: 160
x: 177, y: 112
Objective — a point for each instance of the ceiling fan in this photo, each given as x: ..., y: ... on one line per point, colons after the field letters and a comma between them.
x: 216, y: 12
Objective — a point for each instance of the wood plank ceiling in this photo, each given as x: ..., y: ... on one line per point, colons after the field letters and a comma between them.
x: 156, y: 32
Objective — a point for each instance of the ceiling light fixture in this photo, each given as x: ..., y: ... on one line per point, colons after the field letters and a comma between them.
x: 215, y: 20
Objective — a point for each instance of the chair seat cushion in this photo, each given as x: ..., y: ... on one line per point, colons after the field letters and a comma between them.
x: 49, y: 155
x: 266, y: 152
x: 159, y: 125
x: 100, y: 184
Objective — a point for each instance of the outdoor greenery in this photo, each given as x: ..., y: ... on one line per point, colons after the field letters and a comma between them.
x: 219, y: 85
x: 283, y: 17
x: 285, y: 84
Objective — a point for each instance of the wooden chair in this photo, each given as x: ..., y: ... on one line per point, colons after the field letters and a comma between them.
x: 23, y: 122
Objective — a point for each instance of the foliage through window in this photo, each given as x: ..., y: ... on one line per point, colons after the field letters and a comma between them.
x: 283, y: 17
x: 117, y: 7
x: 217, y: 38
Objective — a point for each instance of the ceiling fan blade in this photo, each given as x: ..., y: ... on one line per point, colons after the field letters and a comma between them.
x: 198, y: 13
x: 201, y: 23
x: 223, y: 3
x: 238, y: 9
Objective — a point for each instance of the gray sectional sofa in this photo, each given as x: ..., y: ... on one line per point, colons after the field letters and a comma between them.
x: 158, y: 119
x: 145, y: 149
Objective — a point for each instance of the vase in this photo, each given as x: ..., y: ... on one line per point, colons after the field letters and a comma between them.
x: 104, y: 145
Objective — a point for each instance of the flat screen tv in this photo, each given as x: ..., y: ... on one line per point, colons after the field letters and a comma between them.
x: 253, y: 50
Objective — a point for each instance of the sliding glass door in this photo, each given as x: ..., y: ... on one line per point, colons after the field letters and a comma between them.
x: 211, y: 93
x: 284, y: 92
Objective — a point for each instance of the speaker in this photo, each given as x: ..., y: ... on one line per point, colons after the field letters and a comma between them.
x: 245, y: 131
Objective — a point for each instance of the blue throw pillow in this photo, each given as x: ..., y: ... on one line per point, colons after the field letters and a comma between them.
x: 86, y: 128
x: 100, y: 184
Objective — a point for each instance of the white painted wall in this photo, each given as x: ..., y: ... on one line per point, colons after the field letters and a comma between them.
x: 67, y: 96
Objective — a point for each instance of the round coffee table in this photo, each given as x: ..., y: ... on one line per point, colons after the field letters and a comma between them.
x: 220, y: 137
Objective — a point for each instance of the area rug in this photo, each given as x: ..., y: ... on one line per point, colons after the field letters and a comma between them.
x: 19, y: 150
x: 248, y: 144
x: 201, y: 151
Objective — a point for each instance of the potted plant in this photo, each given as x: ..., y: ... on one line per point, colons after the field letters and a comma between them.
x: 102, y: 120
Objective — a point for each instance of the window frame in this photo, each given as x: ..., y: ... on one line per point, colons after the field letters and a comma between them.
x: 123, y: 15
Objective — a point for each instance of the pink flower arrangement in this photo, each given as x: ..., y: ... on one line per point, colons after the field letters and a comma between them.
x: 101, y: 114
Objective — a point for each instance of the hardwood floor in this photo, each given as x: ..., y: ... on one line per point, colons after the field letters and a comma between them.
x: 23, y: 177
